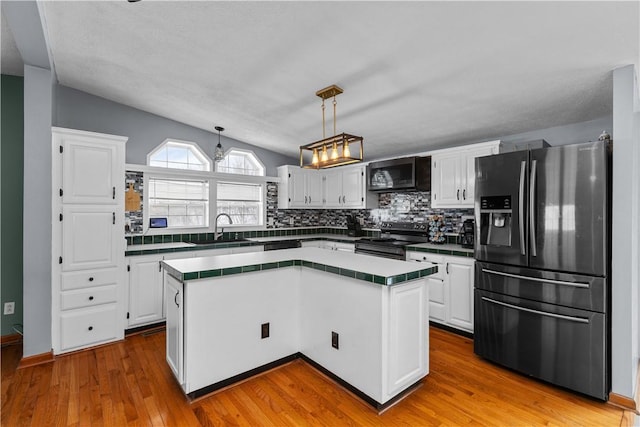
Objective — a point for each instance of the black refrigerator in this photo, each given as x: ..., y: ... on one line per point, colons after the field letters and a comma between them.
x: 542, y: 275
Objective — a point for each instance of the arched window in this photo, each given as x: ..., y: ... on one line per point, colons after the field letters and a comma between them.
x: 175, y: 154
x: 243, y: 162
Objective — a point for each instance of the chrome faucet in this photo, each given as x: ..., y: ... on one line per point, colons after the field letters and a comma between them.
x: 215, y: 225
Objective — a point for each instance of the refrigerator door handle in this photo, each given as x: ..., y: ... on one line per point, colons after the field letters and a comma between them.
x: 523, y: 166
x: 532, y: 208
x: 537, y: 279
x: 542, y: 313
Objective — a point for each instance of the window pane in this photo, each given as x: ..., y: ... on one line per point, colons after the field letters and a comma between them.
x: 243, y: 202
x: 180, y: 155
x: 240, y: 162
x: 184, y: 203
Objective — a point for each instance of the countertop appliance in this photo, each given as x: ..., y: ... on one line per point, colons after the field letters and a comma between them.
x: 405, y: 174
x: 393, y: 239
x: 467, y: 233
x: 353, y: 226
x: 542, y: 274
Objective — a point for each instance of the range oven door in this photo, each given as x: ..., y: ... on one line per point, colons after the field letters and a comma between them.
x: 561, y: 345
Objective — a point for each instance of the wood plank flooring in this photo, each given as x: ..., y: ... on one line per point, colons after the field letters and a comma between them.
x: 129, y: 383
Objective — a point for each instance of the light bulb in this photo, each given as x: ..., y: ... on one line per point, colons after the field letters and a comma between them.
x: 324, y: 156
x: 314, y: 159
x: 345, y: 149
x: 334, y: 151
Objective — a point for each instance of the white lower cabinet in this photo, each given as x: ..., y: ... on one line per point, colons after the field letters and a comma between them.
x: 145, y: 290
x: 174, y: 342
x: 450, y: 290
x: 146, y: 285
x: 89, y: 326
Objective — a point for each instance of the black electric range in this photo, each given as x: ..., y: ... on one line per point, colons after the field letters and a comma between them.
x: 394, y: 238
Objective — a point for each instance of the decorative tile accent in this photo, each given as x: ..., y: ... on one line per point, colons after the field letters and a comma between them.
x: 133, y: 220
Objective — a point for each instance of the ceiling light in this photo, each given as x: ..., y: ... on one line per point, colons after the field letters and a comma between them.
x: 219, y: 152
x: 343, y: 140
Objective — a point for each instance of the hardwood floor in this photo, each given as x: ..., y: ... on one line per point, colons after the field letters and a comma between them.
x: 130, y: 383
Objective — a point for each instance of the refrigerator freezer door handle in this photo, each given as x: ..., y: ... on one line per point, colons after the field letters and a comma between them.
x: 542, y: 313
x: 523, y: 166
x: 532, y: 208
x: 537, y: 279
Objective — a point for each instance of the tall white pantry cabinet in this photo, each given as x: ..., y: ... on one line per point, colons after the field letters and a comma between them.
x: 87, y: 239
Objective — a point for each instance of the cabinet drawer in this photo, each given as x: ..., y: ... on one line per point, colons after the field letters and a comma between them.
x: 79, y: 328
x: 89, y: 278
x: 88, y: 297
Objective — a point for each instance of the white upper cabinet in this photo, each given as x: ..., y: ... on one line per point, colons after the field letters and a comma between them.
x: 92, y: 173
x: 338, y: 188
x: 300, y: 188
x: 453, y: 174
x: 345, y: 188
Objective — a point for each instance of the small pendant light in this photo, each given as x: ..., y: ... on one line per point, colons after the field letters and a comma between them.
x: 219, y: 152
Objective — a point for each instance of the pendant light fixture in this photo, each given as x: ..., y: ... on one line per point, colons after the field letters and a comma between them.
x: 319, y: 150
x: 219, y: 151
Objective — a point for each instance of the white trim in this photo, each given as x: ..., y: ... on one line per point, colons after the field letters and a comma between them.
x: 185, y: 173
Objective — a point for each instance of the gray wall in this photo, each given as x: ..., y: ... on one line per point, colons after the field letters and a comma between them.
x: 626, y: 228
x: 80, y: 110
x: 38, y: 110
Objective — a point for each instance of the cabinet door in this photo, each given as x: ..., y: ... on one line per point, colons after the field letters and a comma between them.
x: 91, y: 237
x: 91, y: 171
x: 353, y: 188
x: 297, y: 188
x: 469, y: 186
x: 460, y: 284
x: 145, y: 290
x: 174, y: 301
x: 333, y: 186
x: 446, y: 177
x: 315, y: 188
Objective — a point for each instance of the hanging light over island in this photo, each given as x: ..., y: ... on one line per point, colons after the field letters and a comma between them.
x: 335, y: 150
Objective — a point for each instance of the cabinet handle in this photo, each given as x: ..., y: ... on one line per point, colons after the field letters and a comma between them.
x: 458, y: 194
x: 91, y: 298
x: 175, y: 298
x: 447, y: 268
x: 114, y: 193
x: 309, y: 199
x: 464, y: 194
x: 91, y: 279
x: 305, y: 200
x: 114, y: 218
x: 91, y: 328
x: 159, y: 265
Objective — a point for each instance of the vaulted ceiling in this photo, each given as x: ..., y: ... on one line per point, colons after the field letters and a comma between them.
x: 416, y: 75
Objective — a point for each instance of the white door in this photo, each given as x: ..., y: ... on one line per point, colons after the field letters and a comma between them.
x: 145, y: 290
x: 90, y: 171
x: 333, y: 186
x: 315, y: 188
x: 353, y: 188
x: 174, y: 301
x: 460, y: 284
x: 91, y: 237
x: 446, y: 177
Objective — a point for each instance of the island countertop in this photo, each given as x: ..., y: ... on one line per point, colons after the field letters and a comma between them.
x: 377, y: 270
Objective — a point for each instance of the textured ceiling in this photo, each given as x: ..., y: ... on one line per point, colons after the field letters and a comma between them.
x: 416, y: 75
x: 11, y: 60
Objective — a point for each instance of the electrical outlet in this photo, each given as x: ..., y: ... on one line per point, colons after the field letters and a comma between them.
x: 334, y: 340
x: 9, y: 307
x: 264, y: 330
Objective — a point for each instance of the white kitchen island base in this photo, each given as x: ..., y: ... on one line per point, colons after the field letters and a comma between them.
x: 371, y: 336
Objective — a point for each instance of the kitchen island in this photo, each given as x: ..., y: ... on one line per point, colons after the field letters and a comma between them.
x: 362, y: 320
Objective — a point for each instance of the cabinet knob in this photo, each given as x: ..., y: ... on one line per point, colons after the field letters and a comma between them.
x: 91, y: 279
x: 91, y: 328
x: 90, y: 297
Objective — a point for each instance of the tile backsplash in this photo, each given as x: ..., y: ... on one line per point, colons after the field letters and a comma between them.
x: 413, y: 206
